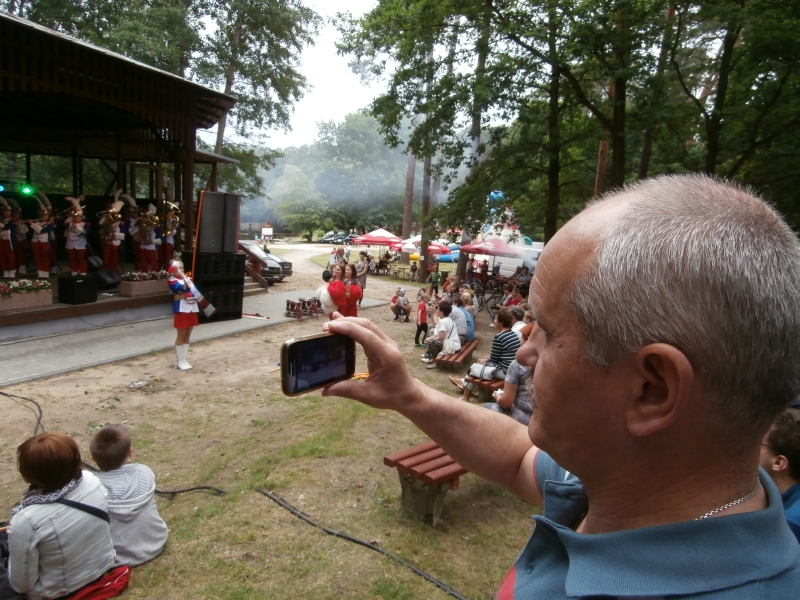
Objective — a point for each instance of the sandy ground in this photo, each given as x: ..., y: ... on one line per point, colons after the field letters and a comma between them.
x: 241, y: 365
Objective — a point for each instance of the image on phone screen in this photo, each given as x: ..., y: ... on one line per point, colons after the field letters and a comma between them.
x: 316, y: 362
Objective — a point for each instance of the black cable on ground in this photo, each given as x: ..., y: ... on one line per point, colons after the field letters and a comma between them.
x: 36, y: 412
x: 307, y: 519
x: 214, y: 490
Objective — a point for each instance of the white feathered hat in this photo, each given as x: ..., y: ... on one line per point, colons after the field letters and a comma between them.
x: 77, y: 209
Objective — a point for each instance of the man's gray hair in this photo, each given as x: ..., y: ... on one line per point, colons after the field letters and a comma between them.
x: 711, y: 269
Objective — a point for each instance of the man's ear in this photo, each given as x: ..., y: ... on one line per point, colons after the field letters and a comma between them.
x: 665, y: 379
x: 780, y: 463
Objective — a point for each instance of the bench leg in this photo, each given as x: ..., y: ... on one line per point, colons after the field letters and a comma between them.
x: 484, y: 394
x: 423, y: 500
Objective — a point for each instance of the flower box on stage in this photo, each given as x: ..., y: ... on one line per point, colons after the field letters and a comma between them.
x: 24, y: 300
x: 143, y: 288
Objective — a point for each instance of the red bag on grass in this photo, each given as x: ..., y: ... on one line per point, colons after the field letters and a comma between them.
x: 109, y: 585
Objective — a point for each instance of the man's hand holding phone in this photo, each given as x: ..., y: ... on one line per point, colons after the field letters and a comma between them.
x: 389, y: 384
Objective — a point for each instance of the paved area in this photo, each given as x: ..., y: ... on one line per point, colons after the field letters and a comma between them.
x: 43, y: 356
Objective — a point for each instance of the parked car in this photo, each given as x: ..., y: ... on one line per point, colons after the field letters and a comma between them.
x: 274, y: 268
x: 327, y: 238
x: 338, y: 240
x: 349, y: 239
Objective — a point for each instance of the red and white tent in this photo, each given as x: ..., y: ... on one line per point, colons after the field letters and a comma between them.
x: 379, y: 237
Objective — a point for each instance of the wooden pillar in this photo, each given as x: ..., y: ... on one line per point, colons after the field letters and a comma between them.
x: 178, y: 181
x: 121, y: 183
x: 132, y: 185
x: 151, y: 190
x: 80, y: 175
x: 212, y: 183
x: 188, y: 184
x: 159, y: 175
x: 75, y: 186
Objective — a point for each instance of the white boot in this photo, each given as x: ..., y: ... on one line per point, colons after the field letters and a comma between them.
x: 177, y: 355
x: 185, y: 354
x: 181, y: 352
x: 73, y: 273
x: 23, y: 271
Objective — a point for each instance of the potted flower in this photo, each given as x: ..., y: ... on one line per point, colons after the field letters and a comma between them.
x: 143, y: 283
x: 25, y: 293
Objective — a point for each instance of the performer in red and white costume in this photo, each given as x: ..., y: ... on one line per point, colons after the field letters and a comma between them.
x: 22, y: 238
x: 131, y: 226
x: 185, y: 309
x: 77, y: 232
x: 148, y: 247
x: 112, y: 238
x: 8, y: 240
x: 40, y: 241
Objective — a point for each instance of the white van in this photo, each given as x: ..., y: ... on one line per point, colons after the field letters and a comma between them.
x: 530, y: 256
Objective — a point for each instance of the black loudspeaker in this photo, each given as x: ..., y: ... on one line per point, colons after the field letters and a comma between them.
x: 81, y: 289
x: 212, y: 221
x: 230, y: 230
x: 107, y: 279
x: 218, y: 227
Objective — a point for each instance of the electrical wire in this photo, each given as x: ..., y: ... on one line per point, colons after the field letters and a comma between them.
x: 277, y: 499
x: 301, y: 515
x: 169, y: 493
x: 38, y: 413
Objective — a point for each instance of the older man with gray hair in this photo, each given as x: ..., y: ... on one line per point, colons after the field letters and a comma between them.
x: 667, y: 319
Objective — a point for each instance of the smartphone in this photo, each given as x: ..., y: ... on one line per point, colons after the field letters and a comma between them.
x: 314, y: 361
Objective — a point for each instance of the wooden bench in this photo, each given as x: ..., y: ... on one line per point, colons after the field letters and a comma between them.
x: 485, y: 388
x: 426, y: 473
x: 453, y: 362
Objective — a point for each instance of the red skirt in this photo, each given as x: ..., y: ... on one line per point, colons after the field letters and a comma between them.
x: 184, y: 320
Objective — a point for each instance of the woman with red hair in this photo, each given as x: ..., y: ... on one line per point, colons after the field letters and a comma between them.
x: 60, y: 537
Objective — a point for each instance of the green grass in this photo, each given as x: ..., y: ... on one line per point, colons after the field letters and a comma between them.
x: 321, y: 260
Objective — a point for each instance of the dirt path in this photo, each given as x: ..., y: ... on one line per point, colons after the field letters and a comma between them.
x: 225, y: 423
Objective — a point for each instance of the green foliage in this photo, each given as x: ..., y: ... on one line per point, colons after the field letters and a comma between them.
x: 701, y: 86
x: 253, y: 54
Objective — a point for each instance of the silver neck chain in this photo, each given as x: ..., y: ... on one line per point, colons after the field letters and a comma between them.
x: 729, y: 504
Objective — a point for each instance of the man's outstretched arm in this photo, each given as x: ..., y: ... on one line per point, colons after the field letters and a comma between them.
x: 484, y: 442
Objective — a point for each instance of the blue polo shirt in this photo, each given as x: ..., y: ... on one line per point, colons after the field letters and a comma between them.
x: 791, y: 506
x: 736, y: 557
x: 470, y: 324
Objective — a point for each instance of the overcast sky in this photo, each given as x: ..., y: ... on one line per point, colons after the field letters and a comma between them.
x: 334, y: 89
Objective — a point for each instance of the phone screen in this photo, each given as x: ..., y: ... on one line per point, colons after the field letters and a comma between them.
x: 314, y: 361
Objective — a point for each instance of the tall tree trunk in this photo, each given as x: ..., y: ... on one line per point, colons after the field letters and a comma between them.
x: 426, y: 207
x: 230, y: 74
x: 602, y: 163
x: 553, y: 133
x: 408, y: 200
x: 436, y: 184
x: 713, y: 125
x: 618, y: 134
x: 478, y: 102
x: 657, y: 95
